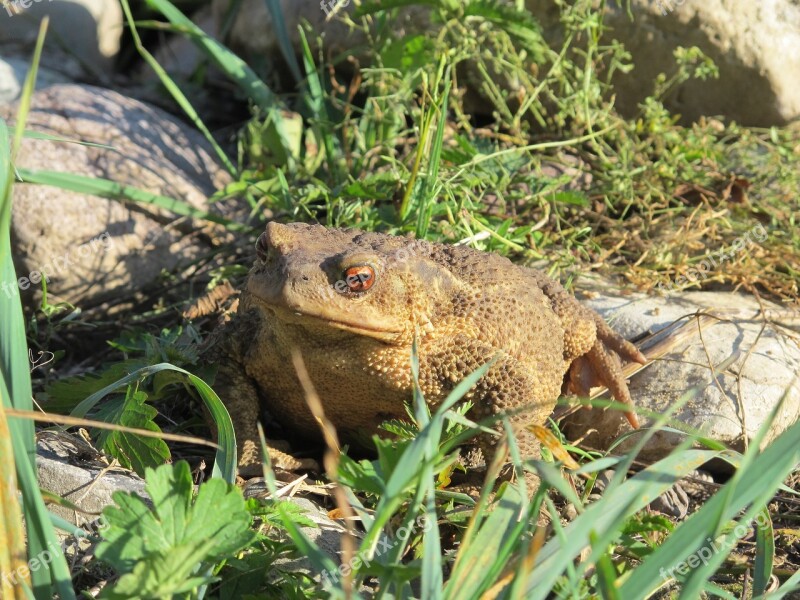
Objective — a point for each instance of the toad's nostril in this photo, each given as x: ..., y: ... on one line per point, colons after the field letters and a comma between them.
x: 262, y: 246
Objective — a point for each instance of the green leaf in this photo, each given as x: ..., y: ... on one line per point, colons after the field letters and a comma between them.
x: 138, y: 539
x: 519, y: 24
x: 408, y: 54
x: 225, y: 460
x: 285, y: 43
x: 162, y: 574
x: 131, y: 450
x: 65, y: 394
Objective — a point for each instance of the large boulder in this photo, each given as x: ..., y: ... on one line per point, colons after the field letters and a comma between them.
x: 736, y: 372
x: 94, y: 249
x: 756, y: 46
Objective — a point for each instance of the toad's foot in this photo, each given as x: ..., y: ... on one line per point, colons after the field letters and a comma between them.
x: 602, y: 366
x: 250, y: 459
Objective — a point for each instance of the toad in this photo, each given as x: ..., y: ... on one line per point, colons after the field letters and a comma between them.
x: 352, y: 303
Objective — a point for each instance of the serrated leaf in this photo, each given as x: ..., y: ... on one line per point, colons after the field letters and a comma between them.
x: 139, y: 540
x: 402, y: 429
x: 131, y: 450
x: 162, y: 574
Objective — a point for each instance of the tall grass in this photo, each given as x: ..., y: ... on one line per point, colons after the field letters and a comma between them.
x: 15, y: 392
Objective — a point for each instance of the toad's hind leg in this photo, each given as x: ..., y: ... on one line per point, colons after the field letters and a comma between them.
x: 602, y: 366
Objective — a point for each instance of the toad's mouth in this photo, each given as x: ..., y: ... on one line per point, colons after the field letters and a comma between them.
x: 321, y: 320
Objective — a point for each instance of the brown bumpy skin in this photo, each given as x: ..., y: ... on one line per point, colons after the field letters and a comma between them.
x: 352, y: 302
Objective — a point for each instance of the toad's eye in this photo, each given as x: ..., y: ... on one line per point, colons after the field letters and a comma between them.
x: 360, y: 278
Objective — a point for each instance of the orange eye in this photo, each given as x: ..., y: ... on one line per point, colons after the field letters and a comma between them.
x: 360, y: 278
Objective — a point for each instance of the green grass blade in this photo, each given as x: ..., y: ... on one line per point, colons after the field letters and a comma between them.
x: 105, y: 188
x: 606, y: 516
x: 38, y: 135
x: 174, y: 90
x: 225, y: 460
x: 727, y: 501
x: 237, y: 70
x: 15, y: 382
x: 315, y: 99
x: 755, y: 486
x: 765, y: 552
x: 478, y: 565
x: 279, y: 25
x: 413, y: 456
x: 417, y: 449
x: 432, y: 577
x: 431, y: 185
x: 606, y: 575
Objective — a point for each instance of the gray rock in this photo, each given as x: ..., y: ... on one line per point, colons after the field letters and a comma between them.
x: 738, y: 372
x: 327, y: 535
x: 88, y: 30
x: 756, y: 46
x: 13, y: 71
x: 70, y: 468
x: 94, y: 249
